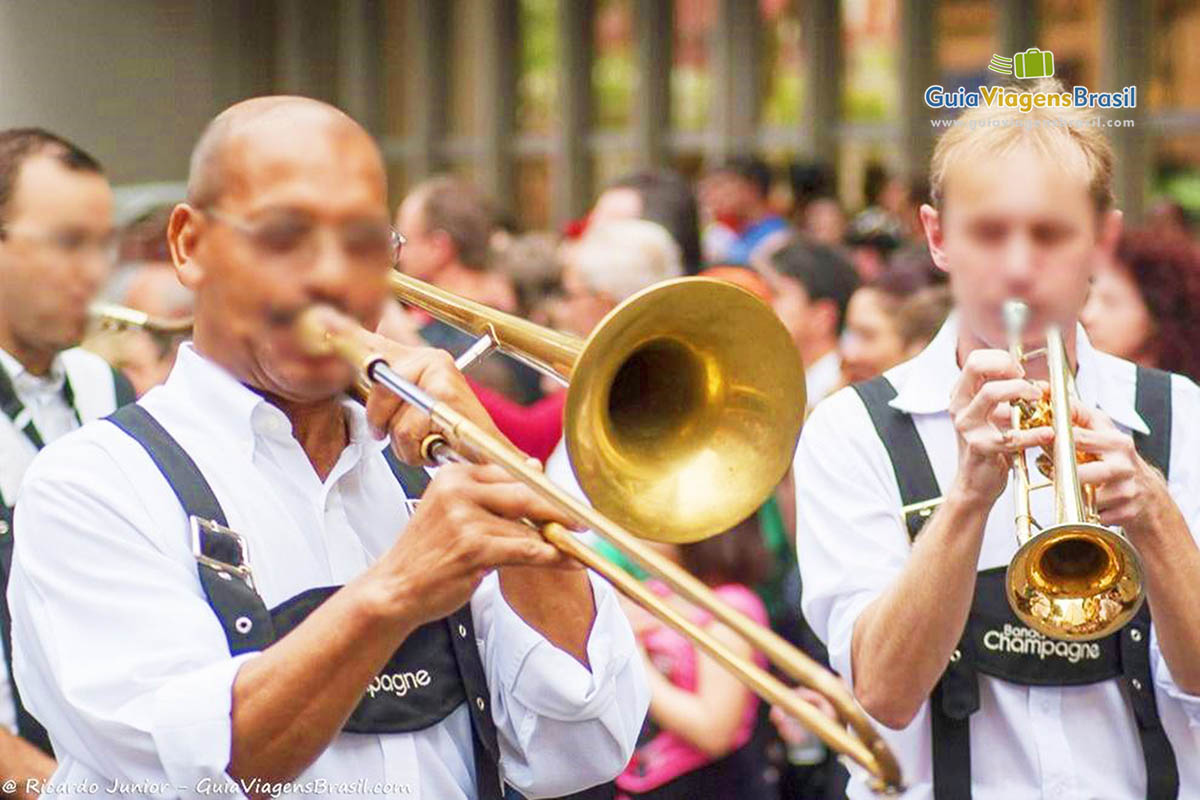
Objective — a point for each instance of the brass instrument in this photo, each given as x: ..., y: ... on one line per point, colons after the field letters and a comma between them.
x: 110, y: 316
x: 683, y: 405
x: 689, y: 395
x: 1075, y: 580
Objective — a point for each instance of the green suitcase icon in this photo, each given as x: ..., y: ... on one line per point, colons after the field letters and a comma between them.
x: 1033, y: 63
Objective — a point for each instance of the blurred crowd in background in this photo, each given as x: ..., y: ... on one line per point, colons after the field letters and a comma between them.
x: 856, y: 289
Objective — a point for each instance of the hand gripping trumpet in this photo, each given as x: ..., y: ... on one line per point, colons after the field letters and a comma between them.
x: 1074, y: 580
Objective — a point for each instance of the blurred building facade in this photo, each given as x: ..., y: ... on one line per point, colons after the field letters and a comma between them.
x: 543, y: 101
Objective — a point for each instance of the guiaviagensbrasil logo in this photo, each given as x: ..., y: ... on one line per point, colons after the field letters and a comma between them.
x: 1028, y: 65
x: 1033, y: 63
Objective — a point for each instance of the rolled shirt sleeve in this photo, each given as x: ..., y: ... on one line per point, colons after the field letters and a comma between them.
x: 850, y: 543
x: 116, y: 650
x: 561, y: 726
x: 1183, y: 483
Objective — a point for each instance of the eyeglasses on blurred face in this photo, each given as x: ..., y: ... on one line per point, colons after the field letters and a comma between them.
x: 294, y: 235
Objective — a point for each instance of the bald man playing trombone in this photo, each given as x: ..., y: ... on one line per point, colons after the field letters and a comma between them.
x: 231, y: 587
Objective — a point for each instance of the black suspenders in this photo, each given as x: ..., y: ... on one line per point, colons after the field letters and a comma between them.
x: 1153, y: 404
x: 230, y: 591
x: 29, y: 728
x: 245, y: 619
x: 956, y: 695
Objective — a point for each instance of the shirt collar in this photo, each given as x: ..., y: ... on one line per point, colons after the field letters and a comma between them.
x: 1109, y: 382
x: 924, y: 384
x: 25, y: 381
x: 232, y: 406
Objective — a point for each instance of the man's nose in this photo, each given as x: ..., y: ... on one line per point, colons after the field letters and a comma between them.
x: 328, y: 263
x: 1018, y: 259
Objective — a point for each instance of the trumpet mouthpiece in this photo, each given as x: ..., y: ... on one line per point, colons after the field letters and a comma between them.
x: 1016, y: 314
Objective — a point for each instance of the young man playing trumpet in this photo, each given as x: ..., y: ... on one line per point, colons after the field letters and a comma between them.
x: 915, y: 617
x: 231, y: 588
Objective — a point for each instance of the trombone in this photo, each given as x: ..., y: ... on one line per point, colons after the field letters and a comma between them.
x: 669, y: 384
x: 682, y: 412
x: 1075, y: 580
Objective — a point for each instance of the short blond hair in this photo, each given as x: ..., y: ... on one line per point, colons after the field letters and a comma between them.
x: 1058, y: 132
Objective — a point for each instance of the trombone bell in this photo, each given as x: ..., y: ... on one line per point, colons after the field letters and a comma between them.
x: 684, y: 405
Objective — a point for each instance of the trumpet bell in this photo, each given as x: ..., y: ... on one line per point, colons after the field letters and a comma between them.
x: 1076, y: 581
x: 683, y: 409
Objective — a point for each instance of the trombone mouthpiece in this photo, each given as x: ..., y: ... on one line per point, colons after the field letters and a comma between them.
x: 1016, y: 314
x: 324, y: 331
x: 316, y: 326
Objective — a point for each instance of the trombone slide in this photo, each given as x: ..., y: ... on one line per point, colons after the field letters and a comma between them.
x: 325, y: 331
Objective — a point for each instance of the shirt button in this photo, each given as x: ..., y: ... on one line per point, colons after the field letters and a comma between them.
x: 1136, y: 684
x: 462, y: 631
x: 1135, y: 634
x: 3, y: 527
x: 479, y: 703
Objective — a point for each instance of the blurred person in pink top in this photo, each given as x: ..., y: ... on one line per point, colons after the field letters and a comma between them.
x: 701, y: 737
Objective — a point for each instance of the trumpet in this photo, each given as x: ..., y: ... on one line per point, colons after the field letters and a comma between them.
x: 1075, y: 580
x: 682, y: 412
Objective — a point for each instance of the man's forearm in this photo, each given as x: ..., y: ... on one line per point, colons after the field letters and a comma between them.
x: 292, y: 700
x: 918, y: 621
x: 1172, y: 563
x: 23, y: 763
x: 556, y: 603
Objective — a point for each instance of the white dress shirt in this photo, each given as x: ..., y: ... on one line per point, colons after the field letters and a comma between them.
x: 47, y: 407
x: 42, y: 396
x: 119, y: 655
x: 1064, y: 743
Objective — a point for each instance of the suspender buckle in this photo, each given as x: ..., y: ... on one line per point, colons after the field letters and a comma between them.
x: 210, y: 538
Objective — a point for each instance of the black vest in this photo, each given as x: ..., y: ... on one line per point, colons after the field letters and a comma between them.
x: 995, y: 642
x: 29, y: 728
x: 434, y: 671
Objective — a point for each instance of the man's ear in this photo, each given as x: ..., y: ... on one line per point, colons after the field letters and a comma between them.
x: 931, y: 221
x: 1111, y: 226
x: 183, y: 234
x: 444, y: 244
x: 823, y: 318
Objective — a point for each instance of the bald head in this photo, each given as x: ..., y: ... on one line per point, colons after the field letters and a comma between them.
x: 287, y: 207
x: 265, y: 123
